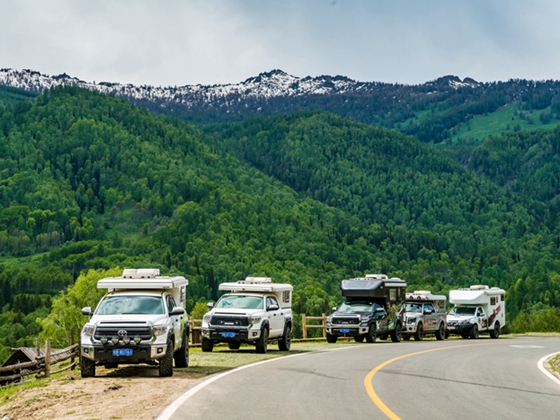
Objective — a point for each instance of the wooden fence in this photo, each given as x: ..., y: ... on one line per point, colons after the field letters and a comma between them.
x: 305, y: 325
x: 40, y: 362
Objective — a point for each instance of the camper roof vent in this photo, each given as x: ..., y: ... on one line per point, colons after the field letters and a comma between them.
x: 141, y: 273
x: 256, y: 280
x: 479, y: 287
x: 376, y: 277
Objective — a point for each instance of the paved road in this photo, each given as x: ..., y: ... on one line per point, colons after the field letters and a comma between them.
x: 455, y: 379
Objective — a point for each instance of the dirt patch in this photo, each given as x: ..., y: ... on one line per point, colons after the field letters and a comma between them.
x: 127, y: 393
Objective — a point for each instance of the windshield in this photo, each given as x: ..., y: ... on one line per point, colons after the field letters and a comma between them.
x: 240, y: 302
x: 414, y: 307
x: 462, y: 310
x: 357, y: 306
x: 122, y: 305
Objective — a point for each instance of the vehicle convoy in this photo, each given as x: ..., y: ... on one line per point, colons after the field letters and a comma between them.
x: 255, y: 311
x: 142, y: 319
x: 477, y: 309
x: 425, y: 314
x: 373, y: 307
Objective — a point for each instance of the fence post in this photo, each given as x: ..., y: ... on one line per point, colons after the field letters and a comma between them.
x: 304, y: 326
x: 72, y: 343
x: 37, y: 347
x: 324, y: 324
x: 47, y: 358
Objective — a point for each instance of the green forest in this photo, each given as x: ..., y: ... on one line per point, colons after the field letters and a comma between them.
x: 91, y: 182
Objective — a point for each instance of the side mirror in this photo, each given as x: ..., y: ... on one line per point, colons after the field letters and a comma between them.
x: 334, y: 308
x: 272, y: 307
x: 87, y: 311
x: 177, y: 310
x: 210, y: 305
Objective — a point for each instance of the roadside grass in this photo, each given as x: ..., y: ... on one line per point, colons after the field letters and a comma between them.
x: 555, y: 364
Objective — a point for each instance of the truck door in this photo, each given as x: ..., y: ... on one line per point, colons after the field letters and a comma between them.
x: 176, y: 321
x: 275, y: 317
x: 430, y: 317
x: 481, y: 317
x: 380, y: 315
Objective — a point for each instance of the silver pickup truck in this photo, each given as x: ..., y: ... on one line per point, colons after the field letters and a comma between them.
x: 425, y: 314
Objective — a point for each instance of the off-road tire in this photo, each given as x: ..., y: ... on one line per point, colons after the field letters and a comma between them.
x: 447, y: 333
x: 331, y: 338
x: 233, y: 345
x: 440, y: 333
x: 474, y: 332
x: 87, y: 368
x: 262, y: 342
x: 285, y: 342
x: 166, y: 362
x: 419, y: 334
x: 206, y: 345
x: 495, y: 333
x: 372, y: 333
x: 181, y: 356
x: 396, y: 334
x: 359, y: 338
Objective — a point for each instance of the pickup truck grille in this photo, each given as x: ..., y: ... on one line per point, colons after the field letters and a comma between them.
x: 132, y: 330
x: 230, y: 321
x: 345, y: 320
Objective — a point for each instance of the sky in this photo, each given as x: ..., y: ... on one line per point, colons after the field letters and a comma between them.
x: 189, y: 42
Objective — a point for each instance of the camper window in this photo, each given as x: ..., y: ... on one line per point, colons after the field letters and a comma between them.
x: 393, y: 295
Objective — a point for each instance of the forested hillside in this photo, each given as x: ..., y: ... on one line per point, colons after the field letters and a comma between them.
x: 90, y: 181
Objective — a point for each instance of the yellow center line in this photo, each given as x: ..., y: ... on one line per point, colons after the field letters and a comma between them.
x: 369, y: 377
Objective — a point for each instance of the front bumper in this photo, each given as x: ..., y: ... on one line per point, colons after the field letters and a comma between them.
x: 347, y: 330
x: 140, y: 353
x: 231, y: 335
x: 459, y: 328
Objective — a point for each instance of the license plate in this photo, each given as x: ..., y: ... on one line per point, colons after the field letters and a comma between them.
x: 122, y: 352
x: 228, y: 334
x: 345, y: 330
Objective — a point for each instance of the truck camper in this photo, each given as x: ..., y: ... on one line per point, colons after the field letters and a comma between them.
x: 477, y: 309
x: 373, y: 307
x: 425, y: 314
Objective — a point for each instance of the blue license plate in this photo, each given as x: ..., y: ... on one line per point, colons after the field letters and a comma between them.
x: 228, y: 334
x: 345, y: 330
x: 122, y: 352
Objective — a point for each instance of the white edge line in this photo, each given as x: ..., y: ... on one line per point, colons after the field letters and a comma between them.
x: 170, y: 410
x: 541, y: 363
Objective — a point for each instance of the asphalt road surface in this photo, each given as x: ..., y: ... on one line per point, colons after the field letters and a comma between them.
x: 451, y: 379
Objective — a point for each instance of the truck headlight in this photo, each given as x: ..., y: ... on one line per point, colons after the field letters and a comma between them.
x: 159, y: 329
x: 364, y: 318
x: 411, y: 320
x: 255, y: 319
x: 88, y: 330
x: 206, y: 319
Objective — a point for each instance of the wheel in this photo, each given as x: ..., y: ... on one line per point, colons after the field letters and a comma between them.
x: 285, y: 342
x: 372, y: 333
x: 87, y: 368
x: 262, y: 342
x: 359, y: 338
x: 419, y: 334
x: 396, y: 334
x: 166, y: 362
x: 331, y: 338
x: 206, y: 344
x: 406, y: 337
x: 234, y: 345
x: 495, y: 333
x: 474, y: 332
x: 447, y: 334
x: 181, y: 356
x: 440, y: 333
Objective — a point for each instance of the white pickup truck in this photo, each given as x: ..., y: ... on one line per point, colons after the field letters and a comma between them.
x: 255, y: 311
x: 477, y: 309
x: 142, y: 319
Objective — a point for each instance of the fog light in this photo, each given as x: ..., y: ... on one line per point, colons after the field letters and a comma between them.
x: 137, y: 339
x: 126, y: 339
x: 255, y: 334
x: 104, y: 340
x: 160, y: 350
x: 115, y: 340
x: 86, y: 350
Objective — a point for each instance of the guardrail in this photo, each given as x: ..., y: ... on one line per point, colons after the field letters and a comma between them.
x: 305, y: 326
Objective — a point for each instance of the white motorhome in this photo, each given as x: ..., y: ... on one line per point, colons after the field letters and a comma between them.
x: 141, y: 319
x: 477, y: 309
x: 255, y: 311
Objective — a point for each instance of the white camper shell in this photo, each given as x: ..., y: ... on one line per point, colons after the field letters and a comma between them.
x: 255, y: 311
x: 141, y: 319
x: 477, y: 309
